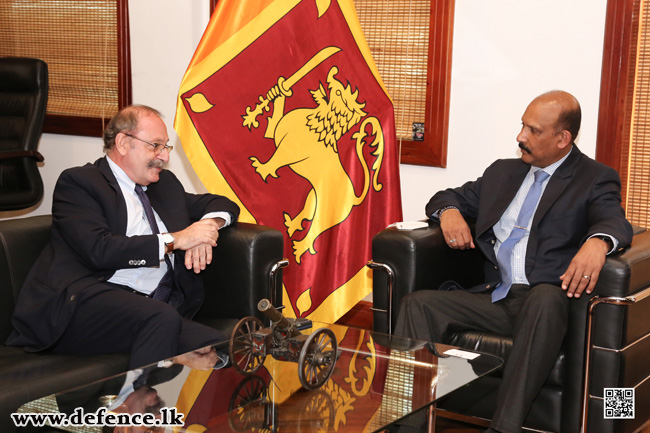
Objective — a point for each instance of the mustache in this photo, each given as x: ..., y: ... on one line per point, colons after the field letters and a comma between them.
x: 523, y: 147
x: 156, y: 163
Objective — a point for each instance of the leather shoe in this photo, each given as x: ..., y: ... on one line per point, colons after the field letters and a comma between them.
x: 224, y: 361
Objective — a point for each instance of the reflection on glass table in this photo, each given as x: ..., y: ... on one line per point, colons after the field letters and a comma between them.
x: 376, y: 381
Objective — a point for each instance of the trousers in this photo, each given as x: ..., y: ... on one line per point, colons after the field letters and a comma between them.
x: 108, y: 319
x: 536, y: 318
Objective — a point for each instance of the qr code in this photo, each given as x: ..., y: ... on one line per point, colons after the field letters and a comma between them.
x: 619, y: 403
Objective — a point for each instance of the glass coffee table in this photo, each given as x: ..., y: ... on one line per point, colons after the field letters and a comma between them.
x: 369, y: 382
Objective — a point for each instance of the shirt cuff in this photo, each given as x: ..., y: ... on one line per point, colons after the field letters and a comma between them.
x: 161, y: 247
x: 223, y: 215
x: 610, y: 237
x: 436, y: 214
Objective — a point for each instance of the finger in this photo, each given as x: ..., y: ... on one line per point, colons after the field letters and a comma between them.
x: 582, y: 285
x: 579, y: 282
x: 188, y: 259
x: 567, y: 279
x: 590, y: 287
x: 202, y: 258
x: 468, y: 242
x: 454, y: 241
x: 593, y: 281
x: 197, y: 264
x: 208, y: 255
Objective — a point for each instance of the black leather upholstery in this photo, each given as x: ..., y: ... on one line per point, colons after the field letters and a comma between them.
x: 23, y: 102
x: 236, y: 280
x: 419, y: 259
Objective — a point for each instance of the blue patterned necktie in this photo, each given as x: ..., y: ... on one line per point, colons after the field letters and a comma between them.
x: 164, y: 289
x: 518, y: 232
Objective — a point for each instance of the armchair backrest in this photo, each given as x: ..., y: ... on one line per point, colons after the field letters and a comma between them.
x: 23, y: 100
x: 21, y: 242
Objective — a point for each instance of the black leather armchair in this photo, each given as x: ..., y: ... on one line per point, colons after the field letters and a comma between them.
x: 247, y: 266
x: 23, y: 101
x: 607, y: 345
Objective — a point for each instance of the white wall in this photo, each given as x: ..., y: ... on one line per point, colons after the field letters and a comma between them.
x: 505, y: 53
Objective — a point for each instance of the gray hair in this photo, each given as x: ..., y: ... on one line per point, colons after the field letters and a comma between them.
x: 126, y: 120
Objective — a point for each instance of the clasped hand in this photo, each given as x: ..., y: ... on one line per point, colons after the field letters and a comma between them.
x: 197, y: 241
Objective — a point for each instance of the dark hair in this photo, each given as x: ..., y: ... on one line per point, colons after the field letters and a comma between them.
x: 126, y: 120
x: 570, y: 119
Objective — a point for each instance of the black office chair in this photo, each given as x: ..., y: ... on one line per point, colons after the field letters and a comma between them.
x: 608, y: 344
x: 23, y: 101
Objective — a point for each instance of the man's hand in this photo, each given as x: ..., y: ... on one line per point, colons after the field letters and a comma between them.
x: 200, y: 359
x: 455, y: 230
x: 198, y: 258
x: 201, y: 232
x: 583, y: 271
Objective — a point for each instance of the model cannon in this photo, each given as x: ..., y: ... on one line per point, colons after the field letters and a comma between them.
x: 315, y: 353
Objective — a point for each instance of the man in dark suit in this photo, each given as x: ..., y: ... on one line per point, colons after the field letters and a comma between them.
x: 120, y: 272
x: 541, y: 248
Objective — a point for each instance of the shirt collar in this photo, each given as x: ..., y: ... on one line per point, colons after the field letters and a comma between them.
x: 122, y: 178
x: 550, y: 169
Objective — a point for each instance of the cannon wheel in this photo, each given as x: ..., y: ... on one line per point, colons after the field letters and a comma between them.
x: 317, y: 414
x: 247, y: 404
x: 317, y: 359
x: 242, y: 351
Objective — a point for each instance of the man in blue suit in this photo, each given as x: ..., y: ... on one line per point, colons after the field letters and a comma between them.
x: 541, y: 250
x: 120, y: 271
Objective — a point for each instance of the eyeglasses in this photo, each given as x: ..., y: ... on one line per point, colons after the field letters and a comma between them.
x: 157, y: 147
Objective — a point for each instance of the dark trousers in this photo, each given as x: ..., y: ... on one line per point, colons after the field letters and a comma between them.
x: 536, y: 318
x: 108, y: 319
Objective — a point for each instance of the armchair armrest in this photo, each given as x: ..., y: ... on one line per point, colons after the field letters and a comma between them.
x: 22, y: 154
x: 246, y: 267
x: 624, y: 276
x: 417, y: 259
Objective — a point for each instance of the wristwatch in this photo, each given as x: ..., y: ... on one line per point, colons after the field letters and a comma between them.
x: 168, y: 239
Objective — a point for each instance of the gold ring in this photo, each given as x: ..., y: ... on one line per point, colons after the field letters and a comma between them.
x: 587, y: 277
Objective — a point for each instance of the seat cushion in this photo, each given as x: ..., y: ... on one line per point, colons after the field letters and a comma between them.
x: 29, y: 376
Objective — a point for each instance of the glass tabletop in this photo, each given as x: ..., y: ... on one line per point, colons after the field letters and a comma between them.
x: 322, y: 378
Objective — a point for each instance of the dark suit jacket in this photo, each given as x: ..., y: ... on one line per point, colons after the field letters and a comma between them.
x: 581, y: 199
x: 89, y: 244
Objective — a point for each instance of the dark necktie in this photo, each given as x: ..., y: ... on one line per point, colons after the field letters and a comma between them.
x: 164, y: 289
x: 523, y: 219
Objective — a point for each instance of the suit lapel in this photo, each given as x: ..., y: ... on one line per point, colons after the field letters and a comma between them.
x: 500, y: 195
x: 557, y: 184
x: 122, y: 217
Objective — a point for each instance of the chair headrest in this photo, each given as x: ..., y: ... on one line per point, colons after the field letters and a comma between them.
x: 22, y: 74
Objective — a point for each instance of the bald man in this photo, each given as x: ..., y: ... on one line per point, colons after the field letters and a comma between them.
x: 545, y: 223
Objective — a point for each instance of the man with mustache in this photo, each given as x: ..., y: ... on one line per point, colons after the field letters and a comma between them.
x: 545, y: 224
x: 120, y: 272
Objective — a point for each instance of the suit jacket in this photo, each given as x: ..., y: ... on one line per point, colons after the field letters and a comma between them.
x: 581, y: 199
x: 89, y: 244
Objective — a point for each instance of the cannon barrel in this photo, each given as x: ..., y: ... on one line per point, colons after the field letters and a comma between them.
x: 276, y: 317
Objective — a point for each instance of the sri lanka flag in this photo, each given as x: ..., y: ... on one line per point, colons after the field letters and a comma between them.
x: 282, y: 109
